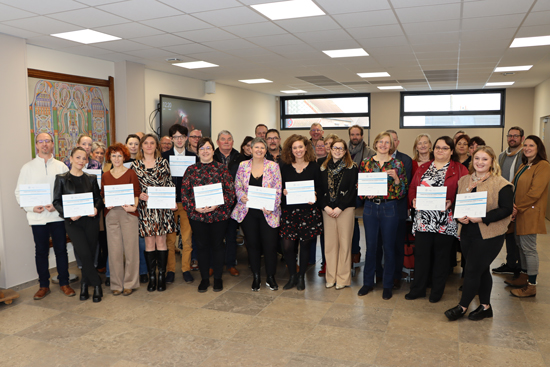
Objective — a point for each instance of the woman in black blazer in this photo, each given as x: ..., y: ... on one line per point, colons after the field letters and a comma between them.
x: 83, y: 231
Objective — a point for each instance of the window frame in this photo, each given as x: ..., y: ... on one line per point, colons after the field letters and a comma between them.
x: 284, y: 116
x: 500, y: 112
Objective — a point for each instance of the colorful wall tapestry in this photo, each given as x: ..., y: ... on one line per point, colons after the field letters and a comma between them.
x: 66, y: 111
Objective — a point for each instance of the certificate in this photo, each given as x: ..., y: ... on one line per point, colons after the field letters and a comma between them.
x: 78, y: 205
x: 96, y: 172
x: 208, y: 195
x: 161, y: 197
x: 300, y: 192
x: 127, y: 164
x: 178, y: 164
x: 261, y: 197
x: 118, y: 195
x: 373, y: 184
x: 34, y: 195
x: 431, y: 198
x: 473, y: 205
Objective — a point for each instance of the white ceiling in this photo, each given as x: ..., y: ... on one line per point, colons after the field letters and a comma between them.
x: 409, y: 39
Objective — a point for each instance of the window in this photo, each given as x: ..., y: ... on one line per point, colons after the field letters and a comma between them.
x: 332, y: 111
x: 453, y: 109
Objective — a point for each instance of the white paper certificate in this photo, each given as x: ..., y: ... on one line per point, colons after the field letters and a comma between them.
x: 431, y: 198
x: 34, y: 195
x: 76, y: 205
x: 161, y: 197
x: 127, y: 165
x: 96, y: 172
x: 178, y: 164
x: 473, y: 205
x: 300, y: 192
x: 118, y: 195
x: 208, y: 195
x: 373, y: 184
x: 261, y: 197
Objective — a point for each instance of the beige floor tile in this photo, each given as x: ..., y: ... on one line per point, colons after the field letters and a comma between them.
x: 300, y: 310
x: 543, y: 294
x: 349, y: 296
x: 186, y: 295
x: 56, y: 300
x: 356, y: 317
x: 157, y: 315
x: 315, y: 291
x: 17, y: 351
x: 515, y: 335
x: 247, y: 304
x: 210, y: 323
x: 23, y: 316
x: 536, y: 313
x: 411, y: 350
x: 244, y: 286
x: 304, y: 360
x: 125, y: 363
x: 110, y: 308
x: 474, y: 355
x: 422, y: 325
x: 424, y: 305
x: 61, y: 329
x: 238, y: 354
x: 274, y: 334
x: 68, y: 357
x: 345, y: 344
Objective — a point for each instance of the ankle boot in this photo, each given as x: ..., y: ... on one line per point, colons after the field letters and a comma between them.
x: 256, y: 282
x: 291, y: 282
x: 151, y: 260
x: 162, y: 258
x: 271, y: 283
x: 84, y: 291
x: 98, y: 293
x: 301, y: 283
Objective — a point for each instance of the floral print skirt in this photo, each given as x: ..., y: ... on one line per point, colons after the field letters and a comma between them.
x: 301, y: 224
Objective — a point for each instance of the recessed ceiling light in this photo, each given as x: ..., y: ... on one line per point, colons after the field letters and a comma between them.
x: 373, y: 75
x: 390, y: 87
x: 530, y: 41
x: 289, y: 9
x: 498, y: 84
x: 86, y: 36
x: 195, y: 65
x: 294, y: 91
x: 504, y: 69
x: 255, y: 81
x: 352, y: 52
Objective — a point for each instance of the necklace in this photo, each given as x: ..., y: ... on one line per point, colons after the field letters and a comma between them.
x: 474, y: 180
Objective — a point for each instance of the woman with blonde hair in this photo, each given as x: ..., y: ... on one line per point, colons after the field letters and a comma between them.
x: 481, y: 239
x: 422, y: 151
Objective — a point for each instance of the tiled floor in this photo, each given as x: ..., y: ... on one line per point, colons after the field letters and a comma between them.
x: 238, y: 327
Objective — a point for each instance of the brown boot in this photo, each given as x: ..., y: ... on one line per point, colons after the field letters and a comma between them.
x: 521, y: 281
x: 530, y: 290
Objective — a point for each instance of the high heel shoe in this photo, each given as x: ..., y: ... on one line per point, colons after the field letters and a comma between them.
x: 98, y: 293
x: 291, y: 282
x: 271, y: 283
x: 84, y: 292
x: 301, y: 283
x: 256, y: 282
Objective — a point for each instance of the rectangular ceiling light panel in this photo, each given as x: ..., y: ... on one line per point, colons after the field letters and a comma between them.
x: 498, y: 84
x: 504, y: 69
x: 255, y: 81
x: 352, y: 52
x: 86, y: 36
x: 293, y: 91
x: 530, y: 41
x: 393, y: 87
x: 289, y: 9
x: 373, y: 75
x: 195, y: 65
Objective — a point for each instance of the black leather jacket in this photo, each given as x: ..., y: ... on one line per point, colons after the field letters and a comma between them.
x: 64, y: 185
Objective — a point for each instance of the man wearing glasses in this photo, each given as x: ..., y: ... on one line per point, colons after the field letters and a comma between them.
x: 509, y: 161
x: 44, y: 219
x: 178, y: 135
x: 194, y: 137
x: 273, y: 140
x: 316, y: 132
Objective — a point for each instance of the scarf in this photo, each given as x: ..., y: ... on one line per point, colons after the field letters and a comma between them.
x: 335, y: 173
x: 515, y: 155
x: 356, y: 152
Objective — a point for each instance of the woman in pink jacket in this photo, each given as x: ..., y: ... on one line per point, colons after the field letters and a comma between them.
x: 259, y: 225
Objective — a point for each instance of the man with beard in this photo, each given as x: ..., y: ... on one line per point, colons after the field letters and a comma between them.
x: 273, y: 140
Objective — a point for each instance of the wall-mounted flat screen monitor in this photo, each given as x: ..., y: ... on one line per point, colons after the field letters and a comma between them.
x: 192, y: 113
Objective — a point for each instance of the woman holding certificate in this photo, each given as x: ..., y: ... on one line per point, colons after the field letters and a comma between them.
x: 337, y: 198
x: 207, y: 194
x: 531, y: 194
x: 82, y: 229
x: 153, y: 171
x: 301, y: 220
x: 481, y: 238
x: 380, y: 215
x: 259, y: 224
x: 121, y: 222
x: 435, y: 230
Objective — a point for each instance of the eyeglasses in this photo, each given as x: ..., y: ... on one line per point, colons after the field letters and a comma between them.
x: 194, y: 137
x: 442, y: 148
x: 44, y: 141
x: 272, y: 138
x: 337, y: 149
x: 205, y: 148
x: 513, y: 136
x: 178, y: 137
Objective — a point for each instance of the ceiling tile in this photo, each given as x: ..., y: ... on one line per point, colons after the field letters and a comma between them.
x: 129, y: 30
x: 311, y: 24
x: 89, y: 18
x: 140, y: 9
x: 493, y: 22
x: 217, y: 57
x: 16, y: 32
x: 255, y: 29
x: 436, y: 37
x: 436, y: 47
x: 429, y: 13
x: 152, y: 53
x: 42, y: 25
x: 122, y: 46
x: 206, y: 35
x: 277, y: 40
x: 352, y: 6
x: 192, y: 48
x: 541, y: 5
x: 194, y: 6
x: 376, y: 31
x: 534, y: 31
x: 334, y: 45
x: 248, y: 52
x: 430, y: 27
x: 332, y: 35
x: 116, y: 57
x: 86, y: 50
x: 474, y: 9
x: 383, y: 41
x: 362, y: 19
x: 489, y: 34
x: 51, y: 42
x: 481, y: 45
x: 413, y: 3
x: 98, y: 2
x: 235, y: 44
x: 10, y: 13
x: 231, y: 16
x: 295, y: 49
x: 179, y: 23
x: 45, y: 7
x: 162, y: 40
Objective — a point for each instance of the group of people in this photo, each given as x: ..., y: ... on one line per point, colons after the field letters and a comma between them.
x: 516, y: 183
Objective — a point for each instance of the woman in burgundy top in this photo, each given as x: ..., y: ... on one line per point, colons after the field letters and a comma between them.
x: 208, y: 223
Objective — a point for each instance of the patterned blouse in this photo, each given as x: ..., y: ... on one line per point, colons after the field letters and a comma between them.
x: 201, y: 174
x: 395, y: 191
x: 435, y: 221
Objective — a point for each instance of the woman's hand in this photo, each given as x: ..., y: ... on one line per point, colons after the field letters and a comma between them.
x: 244, y: 199
x: 514, y: 212
x: 313, y: 202
x: 475, y: 220
x: 336, y: 212
x: 74, y: 219
x: 143, y: 196
x: 393, y: 174
x: 414, y: 203
x: 111, y: 207
x: 447, y: 205
x: 129, y: 208
x: 464, y: 220
x: 266, y: 212
x: 370, y: 197
x: 328, y: 210
x: 38, y: 209
x: 285, y: 193
x: 175, y: 209
x: 95, y: 213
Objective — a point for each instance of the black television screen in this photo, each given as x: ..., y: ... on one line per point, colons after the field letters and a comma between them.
x: 192, y: 113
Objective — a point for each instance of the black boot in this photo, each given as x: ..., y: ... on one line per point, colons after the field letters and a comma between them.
x: 256, y: 282
x: 151, y: 260
x: 98, y: 293
x: 84, y: 291
x: 301, y: 283
x: 271, y: 283
x: 162, y: 258
x: 291, y: 282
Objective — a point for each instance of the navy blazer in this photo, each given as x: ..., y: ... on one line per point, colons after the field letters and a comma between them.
x: 177, y: 180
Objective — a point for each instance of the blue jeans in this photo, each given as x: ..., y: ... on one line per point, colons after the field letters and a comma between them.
x: 399, y: 251
x: 142, y: 263
x: 41, y: 234
x: 380, y: 220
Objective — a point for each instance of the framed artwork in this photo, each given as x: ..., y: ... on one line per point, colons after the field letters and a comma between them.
x: 67, y: 106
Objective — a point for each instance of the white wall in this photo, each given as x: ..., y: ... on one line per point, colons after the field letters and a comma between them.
x: 541, y: 104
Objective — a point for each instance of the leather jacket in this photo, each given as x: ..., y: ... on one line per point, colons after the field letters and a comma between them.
x: 64, y: 185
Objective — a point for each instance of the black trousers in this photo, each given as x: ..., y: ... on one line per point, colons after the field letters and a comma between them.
x: 260, y: 236
x: 83, y: 234
x: 210, y: 239
x: 430, y: 246
x: 512, y: 252
x: 479, y: 255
